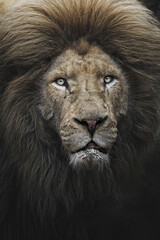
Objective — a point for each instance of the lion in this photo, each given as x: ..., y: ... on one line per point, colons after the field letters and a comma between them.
x: 79, y: 121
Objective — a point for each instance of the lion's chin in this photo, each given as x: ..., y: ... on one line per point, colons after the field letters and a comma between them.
x: 89, y: 159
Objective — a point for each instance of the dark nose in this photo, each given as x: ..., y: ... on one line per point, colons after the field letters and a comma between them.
x: 91, y: 124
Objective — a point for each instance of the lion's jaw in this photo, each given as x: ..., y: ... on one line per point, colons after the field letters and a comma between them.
x: 82, y: 107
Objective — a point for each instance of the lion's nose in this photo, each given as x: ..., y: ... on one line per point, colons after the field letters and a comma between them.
x: 91, y: 124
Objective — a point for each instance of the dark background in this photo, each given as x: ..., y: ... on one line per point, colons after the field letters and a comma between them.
x: 154, y: 5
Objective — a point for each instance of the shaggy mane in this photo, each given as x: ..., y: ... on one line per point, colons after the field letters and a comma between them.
x: 33, y: 169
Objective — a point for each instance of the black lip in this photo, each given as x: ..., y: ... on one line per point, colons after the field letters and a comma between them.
x: 93, y: 145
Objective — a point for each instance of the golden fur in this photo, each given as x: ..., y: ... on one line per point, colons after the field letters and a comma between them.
x: 7, y: 4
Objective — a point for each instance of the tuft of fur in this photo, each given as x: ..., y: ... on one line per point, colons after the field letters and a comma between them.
x: 41, y: 197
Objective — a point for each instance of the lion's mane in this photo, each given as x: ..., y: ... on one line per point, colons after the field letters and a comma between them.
x: 36, y: 184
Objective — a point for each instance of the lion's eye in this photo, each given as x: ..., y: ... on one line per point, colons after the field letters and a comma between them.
x: 108, y: 79
x: 60, y: 82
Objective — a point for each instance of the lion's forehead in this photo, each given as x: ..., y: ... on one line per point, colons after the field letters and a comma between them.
x: 94, y: 62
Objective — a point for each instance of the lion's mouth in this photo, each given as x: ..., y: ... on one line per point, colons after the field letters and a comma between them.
x: 93, y: 145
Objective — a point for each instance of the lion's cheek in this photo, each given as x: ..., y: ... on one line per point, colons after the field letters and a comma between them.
x: 73, y: 138
x: 119, y: 100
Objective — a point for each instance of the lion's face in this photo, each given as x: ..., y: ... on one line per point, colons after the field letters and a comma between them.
x: 84, y: 96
